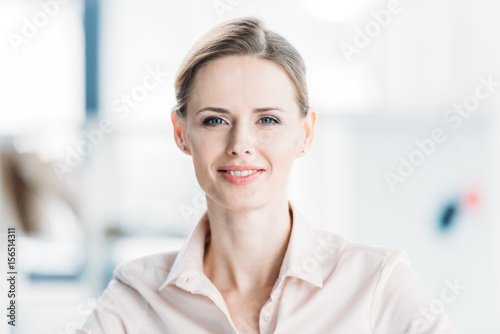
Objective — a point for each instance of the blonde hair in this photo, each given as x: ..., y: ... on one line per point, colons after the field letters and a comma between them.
x: 241, y: 36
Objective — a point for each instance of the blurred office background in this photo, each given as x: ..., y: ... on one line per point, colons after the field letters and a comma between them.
x: 91, y: 176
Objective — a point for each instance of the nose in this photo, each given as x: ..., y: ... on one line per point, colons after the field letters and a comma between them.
x: 240, y: 141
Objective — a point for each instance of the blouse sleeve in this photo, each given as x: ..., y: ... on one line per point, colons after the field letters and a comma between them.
x: 119, y: 310
x: 401, y: 303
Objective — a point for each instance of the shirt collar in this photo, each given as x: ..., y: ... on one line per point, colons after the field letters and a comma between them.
x: 299, y: 260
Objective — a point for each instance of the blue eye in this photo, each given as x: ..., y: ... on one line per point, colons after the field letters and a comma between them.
x: 208, y: 121
x: 272, y: 119
x: 214, y: 121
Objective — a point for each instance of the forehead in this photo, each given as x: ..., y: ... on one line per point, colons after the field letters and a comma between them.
x: 242, y: 81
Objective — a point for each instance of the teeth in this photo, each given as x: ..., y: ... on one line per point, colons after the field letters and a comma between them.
x: 241, y: 173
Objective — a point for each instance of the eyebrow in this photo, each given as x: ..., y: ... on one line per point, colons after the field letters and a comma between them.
x: 225, y: 111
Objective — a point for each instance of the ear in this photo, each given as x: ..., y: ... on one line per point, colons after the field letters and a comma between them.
x: 309, y: 124
x: 178, y: 131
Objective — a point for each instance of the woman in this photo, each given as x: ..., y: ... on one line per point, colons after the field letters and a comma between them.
x: 253, y: 264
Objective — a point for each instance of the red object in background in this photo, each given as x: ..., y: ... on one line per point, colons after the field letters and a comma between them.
x: 472, y: 198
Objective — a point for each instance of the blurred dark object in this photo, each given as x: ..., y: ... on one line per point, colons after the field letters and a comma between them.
x: 44, y: 211
x: 28, y: 183
x: 448, y: 215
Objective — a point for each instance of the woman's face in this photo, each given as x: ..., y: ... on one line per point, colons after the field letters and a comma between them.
x: 243, y: 111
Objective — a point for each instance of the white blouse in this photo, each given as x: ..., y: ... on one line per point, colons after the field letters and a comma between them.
x: 326, y: 284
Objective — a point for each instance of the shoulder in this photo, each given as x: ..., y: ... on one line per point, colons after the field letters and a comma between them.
x: 368, y: 258
x: 147, y: 271
x: 124, y: 304
x: 343, y: 246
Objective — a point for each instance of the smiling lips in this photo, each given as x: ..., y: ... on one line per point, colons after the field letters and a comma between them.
x: 241, y: 175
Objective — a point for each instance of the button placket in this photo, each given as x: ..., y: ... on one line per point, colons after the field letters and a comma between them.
x: 270, y: 307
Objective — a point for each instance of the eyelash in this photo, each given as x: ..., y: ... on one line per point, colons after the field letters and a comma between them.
x: 208, y: 119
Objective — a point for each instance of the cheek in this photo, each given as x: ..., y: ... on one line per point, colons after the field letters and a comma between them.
x: 206, y: 141
x: 205, y: 148
x: 280, y: 147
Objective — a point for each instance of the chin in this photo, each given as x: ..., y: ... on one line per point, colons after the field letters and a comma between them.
x: 243, y: 201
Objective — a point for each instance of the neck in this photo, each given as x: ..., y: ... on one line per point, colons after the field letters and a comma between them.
x: 247, y: 248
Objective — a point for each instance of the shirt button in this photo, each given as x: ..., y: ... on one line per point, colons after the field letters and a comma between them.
x: 188, y: 280
x: 268, y: 312
x: 295, y: 270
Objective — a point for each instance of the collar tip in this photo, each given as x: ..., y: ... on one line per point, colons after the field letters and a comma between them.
x: 318, y: 281
x: 167, y: 282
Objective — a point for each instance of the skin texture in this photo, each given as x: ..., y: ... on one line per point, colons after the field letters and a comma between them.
x: 250, y: 225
